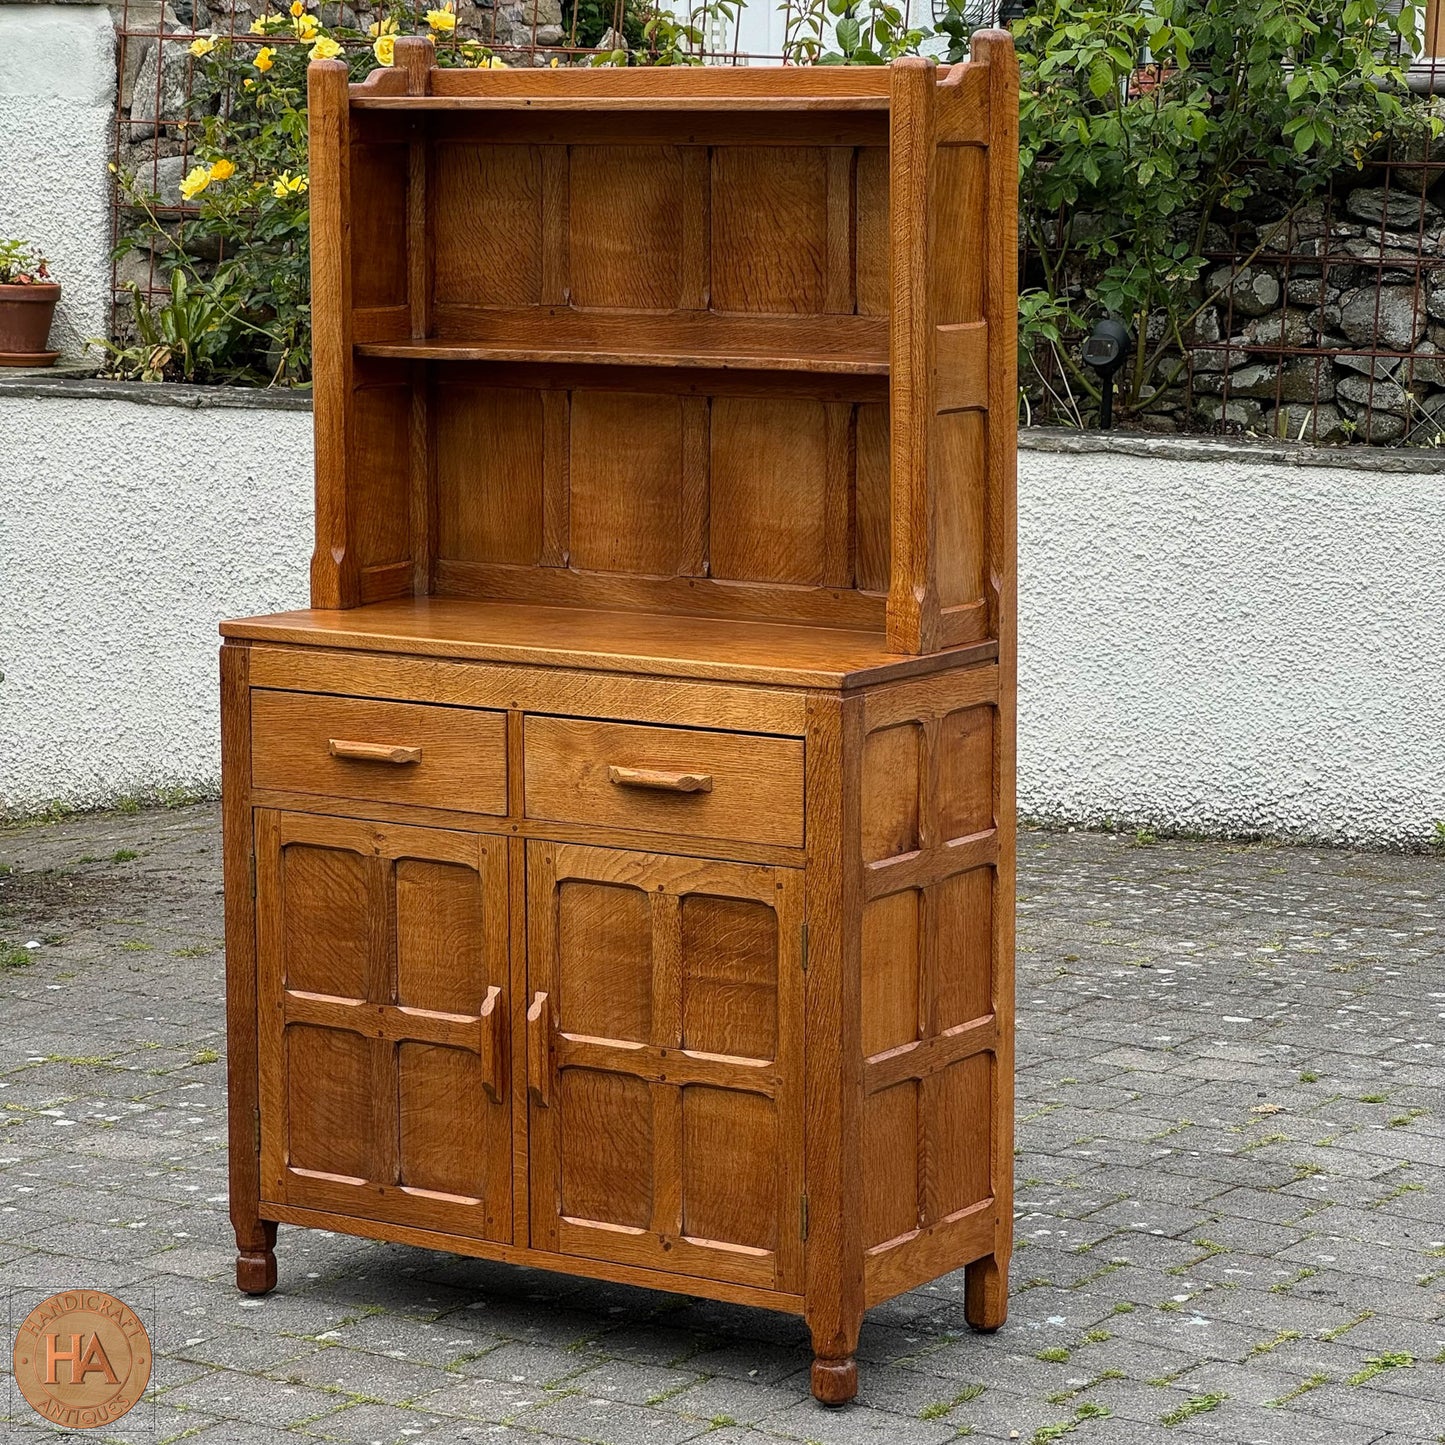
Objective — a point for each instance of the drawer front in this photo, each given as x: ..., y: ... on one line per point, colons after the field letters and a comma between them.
x: 665, y: 780
x: 389, y: 752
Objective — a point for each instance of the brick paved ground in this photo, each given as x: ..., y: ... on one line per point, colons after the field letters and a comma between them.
x: 1231, y: 1201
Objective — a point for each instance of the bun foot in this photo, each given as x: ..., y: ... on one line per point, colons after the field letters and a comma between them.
x: 256, y: 1260
x: 985, y: 1299
x: 835, y: 1382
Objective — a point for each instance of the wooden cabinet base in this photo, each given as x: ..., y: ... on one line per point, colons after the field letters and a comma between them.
x: 834, y: 1382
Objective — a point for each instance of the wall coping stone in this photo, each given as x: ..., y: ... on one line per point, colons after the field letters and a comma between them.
x: 43, y: 382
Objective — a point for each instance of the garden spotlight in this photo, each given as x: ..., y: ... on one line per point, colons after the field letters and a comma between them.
x: 1106, y: 350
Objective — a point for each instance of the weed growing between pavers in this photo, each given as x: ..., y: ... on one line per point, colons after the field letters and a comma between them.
x: 1195, y: 1405
x: 1378, y: 1364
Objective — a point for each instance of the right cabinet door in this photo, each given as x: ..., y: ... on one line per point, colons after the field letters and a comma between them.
x: 665, y: 1062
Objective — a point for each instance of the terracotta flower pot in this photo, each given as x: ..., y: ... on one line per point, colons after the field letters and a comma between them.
x: 25, y: 313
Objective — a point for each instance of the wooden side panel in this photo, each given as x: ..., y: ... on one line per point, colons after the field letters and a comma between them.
x: 626, y: 488
x: 382, y: 987
x: 936, y: 1100
x: 873, y: 541
x: 489, y: 474
x: 487, y: 224
x: 769, y: 229
x: 871, y: 188
x: 756, y: 443
x: 379, y: 215
x: 379, y: 477
x: 624, y: 233
x: 665, y: 1059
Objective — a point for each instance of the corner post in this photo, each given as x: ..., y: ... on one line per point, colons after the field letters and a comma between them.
x: 335, y: 579
x: 986, y: 1286
x: 912, y: 619
x: 833, y: 1092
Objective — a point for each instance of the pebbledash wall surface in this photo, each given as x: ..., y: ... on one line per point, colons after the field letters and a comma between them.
x: 1217, y: 637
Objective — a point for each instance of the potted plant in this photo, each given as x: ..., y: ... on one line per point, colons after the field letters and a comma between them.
x: 27, y: 302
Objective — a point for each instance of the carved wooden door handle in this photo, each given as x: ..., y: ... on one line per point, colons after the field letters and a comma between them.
x: 374, y: 752
x: 493, y: 1024
x: 539, y: 1050
x: 663, y: 781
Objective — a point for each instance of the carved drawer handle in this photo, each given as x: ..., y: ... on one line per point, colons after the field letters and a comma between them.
x: 374, y: 752
x: 663, y: 781
x: 539, y: 1051
x: 493, y: 1042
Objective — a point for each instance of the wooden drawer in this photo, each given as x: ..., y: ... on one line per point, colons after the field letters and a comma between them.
x: 390, y: 752
x: 665, y: 780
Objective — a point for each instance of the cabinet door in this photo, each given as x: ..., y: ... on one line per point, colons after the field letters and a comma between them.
x: 665, y: 1062
x: 382, y: 982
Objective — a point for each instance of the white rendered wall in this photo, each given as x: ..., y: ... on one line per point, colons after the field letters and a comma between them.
x: 126, y: 533
x: 1211, y: 638
x: 1226, y: 644
x: 57, y: 108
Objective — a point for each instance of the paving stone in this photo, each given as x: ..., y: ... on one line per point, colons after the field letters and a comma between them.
x: 1288, y: 981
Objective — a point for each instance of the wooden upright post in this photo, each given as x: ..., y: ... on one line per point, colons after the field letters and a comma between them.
x: 335, y: 580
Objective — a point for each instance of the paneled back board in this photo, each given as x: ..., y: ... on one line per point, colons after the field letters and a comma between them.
x: 619, y: 854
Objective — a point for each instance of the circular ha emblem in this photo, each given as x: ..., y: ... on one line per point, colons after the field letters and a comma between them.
x: 82, y: 1359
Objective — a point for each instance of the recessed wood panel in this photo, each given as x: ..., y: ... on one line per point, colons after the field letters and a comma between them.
x: 961, y: 194
x: 963, y: 952
x: 891, y: 761
x: 378, y: 207
x: 769, y: 228
x: 625, y: 231
x: 960, y: 464
x: 489, y: 468
x: 965, y: 772
x: 756, y: 442
x: 891, y: 940
x: 606, y: 1147
x: 729, y: 976
x: 961, y: 1132
x: 872, y: 230
x: 328, y: 1076
x: 889, y: 1157
x: 380, y: 479
x: 873, y: 539
x: 626, y: 482
x: 326, y: 920
x: 441, y: 960
x: 444, y: 1119
x: 604, y: 955
x: 729, y: 1178
x: 487, y: 224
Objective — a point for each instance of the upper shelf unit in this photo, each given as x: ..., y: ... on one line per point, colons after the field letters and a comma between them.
x: 719, y: 341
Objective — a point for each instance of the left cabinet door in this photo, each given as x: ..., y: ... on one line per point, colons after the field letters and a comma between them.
x: 382, y: 991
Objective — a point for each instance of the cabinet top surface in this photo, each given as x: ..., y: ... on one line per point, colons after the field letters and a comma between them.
x: 789, y: 655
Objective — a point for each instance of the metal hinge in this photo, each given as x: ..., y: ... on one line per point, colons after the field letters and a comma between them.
x: 256, y: 1120
x: 253, y: 875
x: 803, y: 1221
x: 805, y: 948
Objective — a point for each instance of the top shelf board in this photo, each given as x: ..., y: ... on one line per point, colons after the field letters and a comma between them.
x: 645, y: 104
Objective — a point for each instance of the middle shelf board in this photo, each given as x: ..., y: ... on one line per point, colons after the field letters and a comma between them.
x: 837, y: 364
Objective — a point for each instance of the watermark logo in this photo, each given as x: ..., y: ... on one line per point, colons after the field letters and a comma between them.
x: 82, y: 1359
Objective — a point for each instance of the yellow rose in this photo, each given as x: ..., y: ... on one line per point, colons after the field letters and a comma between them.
x: 288, y: 185
x: 260, y: 27
x: 195, y: 182
x: 305, y: 27
x: 222, y: 170
x: 385, y: 49
x: 203, y: 45
x: 298, y: 7
x: 383, y: 27
x: 264, y: 58
x: 324, y: 49
x: 248, y: 84
x: 492, y: 62
x: 443, y: 20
